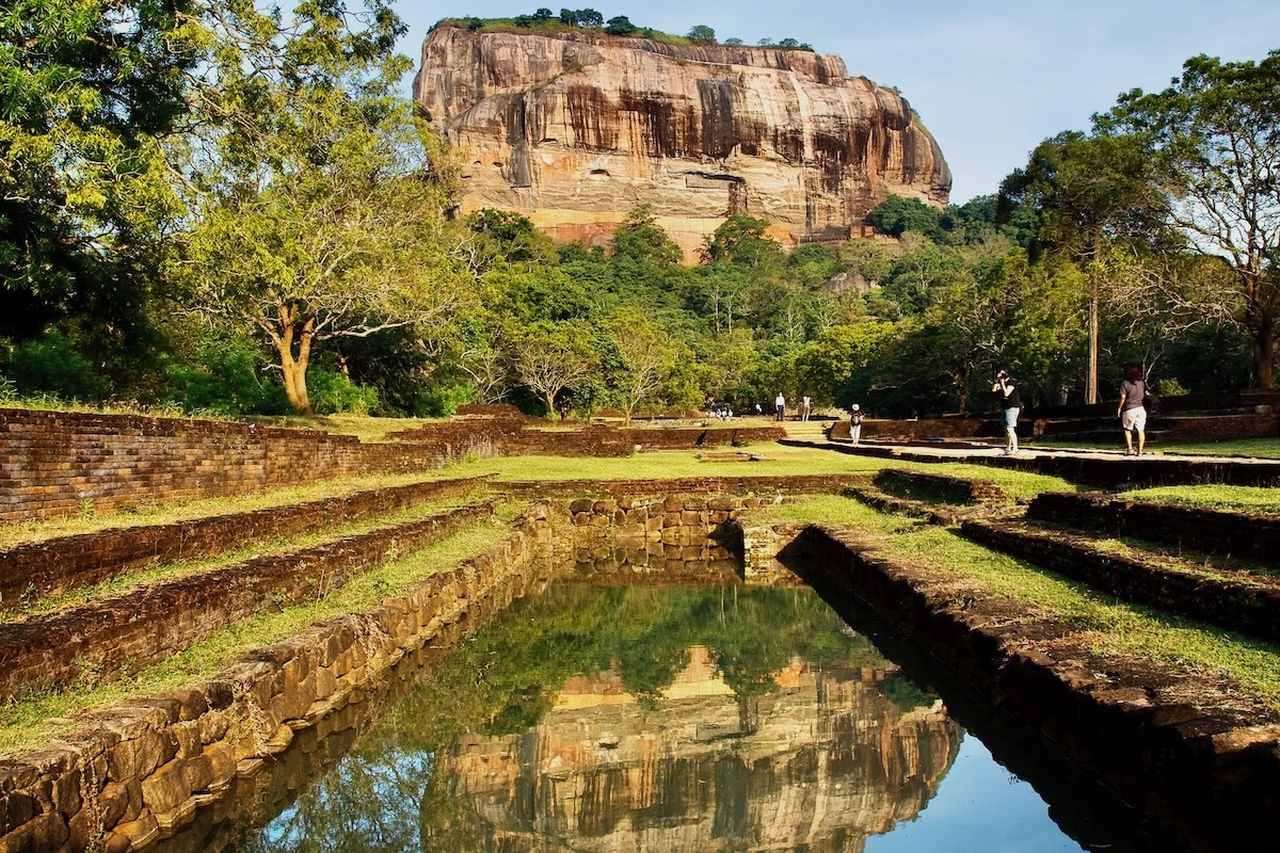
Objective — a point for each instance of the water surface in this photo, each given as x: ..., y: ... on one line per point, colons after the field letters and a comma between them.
x: 645, y: 718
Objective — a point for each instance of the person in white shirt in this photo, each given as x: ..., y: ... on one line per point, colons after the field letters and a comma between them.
x: 806, y: 406
x: 855, y: 423
x: 780, y: 406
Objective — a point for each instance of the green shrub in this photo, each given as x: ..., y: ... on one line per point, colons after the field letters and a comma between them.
x: 230, y: 377
x: 441, y: 401
x: 333, y: 393
x: 52, y: 365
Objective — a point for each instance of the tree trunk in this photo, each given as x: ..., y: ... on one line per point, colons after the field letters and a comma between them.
x: 1264, y: 355
x: 293, y: 368
x: 1091, y: 379
x: 295, y: 383
x: 551, y: 403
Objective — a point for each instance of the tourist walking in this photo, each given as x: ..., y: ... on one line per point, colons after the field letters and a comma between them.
x: 806, y: 405
x: 780, y: 406
x: 855, y: 423
x: 1132, y: 409
x: 1009, y: 399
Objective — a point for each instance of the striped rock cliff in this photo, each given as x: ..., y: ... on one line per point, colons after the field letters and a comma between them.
x: 573, y: 129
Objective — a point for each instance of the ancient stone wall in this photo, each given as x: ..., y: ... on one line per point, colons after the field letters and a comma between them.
x: 1128, y: 730
x: 57, y: 463
x: 145, y: 765
x: 747, y: 484
x: 108, y: 637
x: 673, y: 534
x: 36, y: 569
x: 1239, y: 534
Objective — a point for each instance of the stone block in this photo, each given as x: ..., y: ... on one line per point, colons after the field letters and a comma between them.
x: 166, y: 789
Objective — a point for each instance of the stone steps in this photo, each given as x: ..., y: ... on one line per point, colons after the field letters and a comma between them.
x: 35, y: 570
x: 1231, y: 596
x: 1231, y: 534
x: 103, y: 639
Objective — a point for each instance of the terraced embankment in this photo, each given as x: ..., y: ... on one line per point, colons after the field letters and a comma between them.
x: 33, y: 570
x: 125, y: 773
x: 1199, y: 760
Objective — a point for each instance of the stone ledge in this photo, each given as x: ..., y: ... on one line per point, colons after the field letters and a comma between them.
x: 146, y: 764
x: 1247, y: 603
x: 126, y: 632
x: 1240, y: 534
x: 1125, y: 724
x: 37, y: 569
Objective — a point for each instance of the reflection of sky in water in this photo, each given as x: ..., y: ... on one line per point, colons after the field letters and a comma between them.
x: 395, y: 783
x: 748, y: 691
x: 979, y: 808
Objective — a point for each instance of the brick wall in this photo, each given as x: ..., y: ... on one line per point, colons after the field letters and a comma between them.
x: 105, y: 638
x: 31, y: 570
x: 53, y: 462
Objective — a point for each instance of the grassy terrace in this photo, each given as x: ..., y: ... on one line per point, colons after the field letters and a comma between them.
x: 1109, y: 626
x: 1258, y: 448
x: 1257, y: 499
x: 778, y: 461
x: 16, y: 533
x: 183, y: 568
x: 25, y: 722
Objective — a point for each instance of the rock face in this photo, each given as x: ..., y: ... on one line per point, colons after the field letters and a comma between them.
x: 820, y: 764
x: 574, y: 129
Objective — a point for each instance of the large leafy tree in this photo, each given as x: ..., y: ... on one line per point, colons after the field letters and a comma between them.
x: 1090, y: 193
x: 551, y: 358
x: 1214, y: 137
x: 92, y: 96
x: 323, y: 217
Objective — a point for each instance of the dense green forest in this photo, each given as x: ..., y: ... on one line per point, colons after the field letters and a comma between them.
x: 224, y: 207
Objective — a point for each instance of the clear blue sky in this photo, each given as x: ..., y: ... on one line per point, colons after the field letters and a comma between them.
x: 990, y: 79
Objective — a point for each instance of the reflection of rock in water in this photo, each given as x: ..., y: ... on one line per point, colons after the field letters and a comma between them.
x: 821, y: 763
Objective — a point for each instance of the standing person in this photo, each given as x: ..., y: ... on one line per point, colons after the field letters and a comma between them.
x: 1132, y: 408
x: 780, y: 406
x: 855, y: 423
x: 759, y: 411
x: 805, y: 407
x: 1010, y: 400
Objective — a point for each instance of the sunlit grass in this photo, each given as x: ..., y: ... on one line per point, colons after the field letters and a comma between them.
x: 159, y: 572
x: 90, y: 521
x: 1230, y: 498
x: 23, y: 723
x: 1110, y: 626
x: 777, y: 460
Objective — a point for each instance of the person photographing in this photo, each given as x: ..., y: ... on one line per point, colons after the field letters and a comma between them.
x: 1009, y: 398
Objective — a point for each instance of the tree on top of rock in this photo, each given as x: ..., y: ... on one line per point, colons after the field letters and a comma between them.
x: 702, y: 34
x: 620, y: 26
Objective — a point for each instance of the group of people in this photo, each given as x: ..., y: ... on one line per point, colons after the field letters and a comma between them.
x: 1135, y: 400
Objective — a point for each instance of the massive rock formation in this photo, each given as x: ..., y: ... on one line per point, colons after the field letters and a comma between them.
x: 573, y: 129
x: 819, y: 764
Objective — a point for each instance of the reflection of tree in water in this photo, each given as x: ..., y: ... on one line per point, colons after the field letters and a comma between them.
x: 504, y: 680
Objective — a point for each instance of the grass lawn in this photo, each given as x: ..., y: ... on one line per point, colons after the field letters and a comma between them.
x: 28, y: 721
x: 778, y: 461
x: 1110, y: 626
x: 1259, y: 448
x: 90, y: 521
x: 1231, y: 498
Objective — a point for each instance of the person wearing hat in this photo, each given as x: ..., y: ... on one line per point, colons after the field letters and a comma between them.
x: 855, y: 423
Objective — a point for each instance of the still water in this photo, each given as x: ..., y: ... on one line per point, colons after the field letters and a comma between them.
x: 645, y: 718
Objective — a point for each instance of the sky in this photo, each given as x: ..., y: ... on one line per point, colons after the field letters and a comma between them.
x: 989, y: 79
